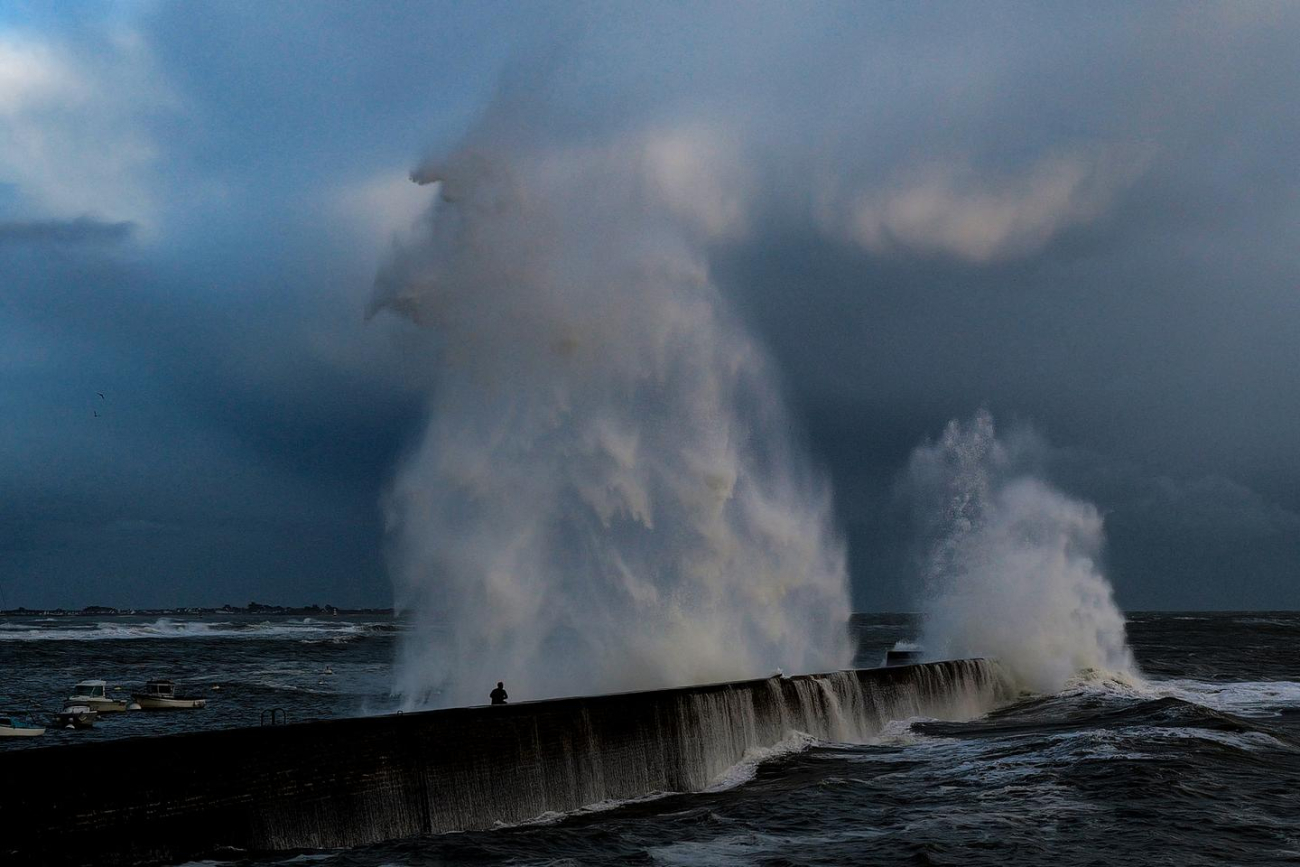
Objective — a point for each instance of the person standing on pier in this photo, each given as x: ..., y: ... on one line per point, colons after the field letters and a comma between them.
x: 498, y: 695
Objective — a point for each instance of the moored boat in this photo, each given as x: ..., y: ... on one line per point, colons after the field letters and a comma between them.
x: 94, y: 694
x: 76, y: 716
x: 12, y: 728
x: 161, y: 695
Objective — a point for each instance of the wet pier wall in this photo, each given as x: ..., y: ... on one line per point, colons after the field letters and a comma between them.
x: 355, y: 781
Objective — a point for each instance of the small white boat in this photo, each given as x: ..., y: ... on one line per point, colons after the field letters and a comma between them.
x: 76, y: 716
x: 94, y: 694
x: 161, y: 695
x: 12, y: 728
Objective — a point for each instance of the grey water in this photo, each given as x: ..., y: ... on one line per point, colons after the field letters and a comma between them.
x: 1198, y: 764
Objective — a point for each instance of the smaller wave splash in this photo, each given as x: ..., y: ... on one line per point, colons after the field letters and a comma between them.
x: 165, y: 628
x: 1013, y: 567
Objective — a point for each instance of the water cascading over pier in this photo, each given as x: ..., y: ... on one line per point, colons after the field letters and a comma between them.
x: 358, y: 781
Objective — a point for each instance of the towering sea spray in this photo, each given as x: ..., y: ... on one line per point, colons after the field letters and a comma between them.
x: 1012, y: 568
x: 607, y: 494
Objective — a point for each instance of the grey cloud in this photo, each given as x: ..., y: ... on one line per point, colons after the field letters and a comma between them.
x: 951, y: 208
x: 82, y: 230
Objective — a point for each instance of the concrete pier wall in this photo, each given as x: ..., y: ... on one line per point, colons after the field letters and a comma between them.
x: 356, y: 781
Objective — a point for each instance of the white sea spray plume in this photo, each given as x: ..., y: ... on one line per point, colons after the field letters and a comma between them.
x: 608, y: 493
x: 1012, y: 564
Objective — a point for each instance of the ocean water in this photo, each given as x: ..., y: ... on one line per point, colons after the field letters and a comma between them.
x: 1197, y: 764
x: 243, y: 665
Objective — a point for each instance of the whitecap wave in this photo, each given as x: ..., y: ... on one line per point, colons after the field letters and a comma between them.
x: 901, y: 733
x: 745, y: 770
x: 1263, y: 698
x: 165, y: 628
x: 551, y: 817
x: 1260, y: 698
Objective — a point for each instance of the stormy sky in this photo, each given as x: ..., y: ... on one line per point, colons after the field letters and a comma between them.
x: 1082, y: 219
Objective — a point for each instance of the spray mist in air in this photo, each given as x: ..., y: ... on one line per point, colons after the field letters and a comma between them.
x: 1012, y: 567
x: 607, y: 494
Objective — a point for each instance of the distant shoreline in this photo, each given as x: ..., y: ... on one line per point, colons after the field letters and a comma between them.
x: 254, y: 608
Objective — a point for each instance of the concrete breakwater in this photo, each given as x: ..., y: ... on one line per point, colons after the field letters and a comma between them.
x: 356, y: 781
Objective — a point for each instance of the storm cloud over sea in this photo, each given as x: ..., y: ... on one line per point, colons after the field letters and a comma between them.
x: 1078, y: 220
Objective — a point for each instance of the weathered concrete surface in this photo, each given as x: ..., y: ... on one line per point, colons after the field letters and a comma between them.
x: 356, y: 781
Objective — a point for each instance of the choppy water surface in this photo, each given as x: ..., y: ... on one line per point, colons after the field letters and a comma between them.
x: 243, y: 665
x: 1199, y: 765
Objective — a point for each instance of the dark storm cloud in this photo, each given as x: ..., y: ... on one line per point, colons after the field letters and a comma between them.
x: 1081, y: 218
x: 219, y: 464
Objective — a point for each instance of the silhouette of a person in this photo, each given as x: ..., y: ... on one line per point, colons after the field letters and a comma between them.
x: 498, y: 695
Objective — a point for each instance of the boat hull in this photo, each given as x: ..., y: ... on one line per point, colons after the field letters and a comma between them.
x: 7, y: 732
x: 76, y: 717
x: 147, y: 702
x: 101, y: 705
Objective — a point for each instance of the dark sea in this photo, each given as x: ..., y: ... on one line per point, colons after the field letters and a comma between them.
x: 1198, y: 763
